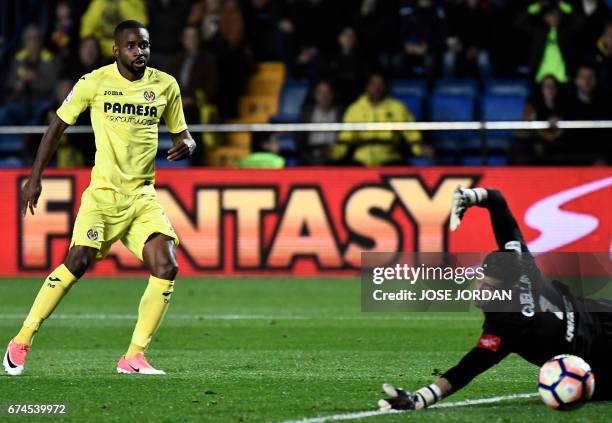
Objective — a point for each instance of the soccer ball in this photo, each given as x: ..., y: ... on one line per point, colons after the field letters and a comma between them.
x: 565, y: 381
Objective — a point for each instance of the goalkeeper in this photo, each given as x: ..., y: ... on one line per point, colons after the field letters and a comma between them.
x: 550, y: 321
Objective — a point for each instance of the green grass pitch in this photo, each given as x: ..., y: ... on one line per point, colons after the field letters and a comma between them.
x: 238, y: 350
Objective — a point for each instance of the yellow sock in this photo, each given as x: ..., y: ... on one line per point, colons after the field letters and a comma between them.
x: 153, y: 306
x: 54, y: 288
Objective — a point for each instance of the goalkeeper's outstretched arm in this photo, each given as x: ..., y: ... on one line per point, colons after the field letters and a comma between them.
x: 475, y: 362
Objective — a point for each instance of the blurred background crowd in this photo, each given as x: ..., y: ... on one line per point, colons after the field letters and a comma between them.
x: 321, y: 61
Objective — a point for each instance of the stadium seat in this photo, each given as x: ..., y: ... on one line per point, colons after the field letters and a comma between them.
x: 421, y: 161
x: 493, y: 144
x: 451, y: 108
x: 414, y: 104
x: 403, y: 87
x: 287, y: 143
x: 519, y: 87
x: 238, y: 139
x: 449, y: 86
x: 292, y: 96
x: 490, y: 161
x: 164, y: 163
x: 257, y: 109
x: 502, y: 108
x: 11, y: 162
x: 227, y: 156
x: 267, y: 79
x: 11, y: 144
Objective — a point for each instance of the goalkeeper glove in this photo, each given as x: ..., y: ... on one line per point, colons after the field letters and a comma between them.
x: 402, y: 400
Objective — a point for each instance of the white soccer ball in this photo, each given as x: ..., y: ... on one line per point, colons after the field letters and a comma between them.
x: 565, y: 381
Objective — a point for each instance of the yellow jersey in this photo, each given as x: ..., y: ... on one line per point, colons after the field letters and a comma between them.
x: 371, y: 154
x: 125, y: 116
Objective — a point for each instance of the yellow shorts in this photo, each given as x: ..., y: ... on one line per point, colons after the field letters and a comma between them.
x: 106, y: 216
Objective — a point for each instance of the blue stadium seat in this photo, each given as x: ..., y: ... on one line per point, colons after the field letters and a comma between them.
x: 451, y: 108
x: 502, y: 107
x: 520, y: 87
x: 287, y: 143
x: 164, y: 163
x: 477, y: 161
x: 494, y: 145
x: 403, y: 87
x: 421, y: 161
x: 11, y: 144
x: 292, y: 96
x: 11, y: 162
x: 450, y: 86
x: 414, y: 104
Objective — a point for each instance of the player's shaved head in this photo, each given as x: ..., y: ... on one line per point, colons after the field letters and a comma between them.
x: 131, y: 49
x: 129, y: 24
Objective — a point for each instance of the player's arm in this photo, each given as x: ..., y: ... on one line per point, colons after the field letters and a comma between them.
x: 77, y: 100
x: 183, y: 146
x: 480, y: 359
x: 47, y: 148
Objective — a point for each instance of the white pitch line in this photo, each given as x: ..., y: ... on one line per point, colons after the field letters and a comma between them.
x: 70, y: 316
x: 373, y: 413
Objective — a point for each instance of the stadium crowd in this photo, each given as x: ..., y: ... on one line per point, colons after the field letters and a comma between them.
x: 351, y: 52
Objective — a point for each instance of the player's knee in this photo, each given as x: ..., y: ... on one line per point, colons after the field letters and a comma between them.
x: 495, y: 197
x: 79, y: 260
x: 166, y: 270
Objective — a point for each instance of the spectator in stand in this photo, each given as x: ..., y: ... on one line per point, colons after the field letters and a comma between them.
x: 471, y: 25
x: 89, y: 58
x: 64, y: 36
x: 425, y: 34
x: 553, y: 28
x: 196, y: 72
x: 547, y: 103
x: 596, y: 14
x: 601, y: 57
x: 346, y: 66
x: 265, y: 155
x: 234, y: 58
x: 102, y: 16
x: 268, y: 38
x: 166, y: 22
x: 378, y: 148
x: 205, y: 15
x: 315, y: 147
x: 586, y: 146
x: 378, y: 29
x: 31, y: 79
x: 307, y: 29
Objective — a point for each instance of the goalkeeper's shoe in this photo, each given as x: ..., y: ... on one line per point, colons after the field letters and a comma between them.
x: 137, y: 365
x: 458, y: 207
x: 399, y: 399
x: 15, y: 358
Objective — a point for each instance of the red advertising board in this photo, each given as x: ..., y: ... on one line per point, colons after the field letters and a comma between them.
x: 312, y: 221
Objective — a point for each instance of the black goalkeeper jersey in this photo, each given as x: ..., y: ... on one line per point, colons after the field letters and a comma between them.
x: 549, y: 321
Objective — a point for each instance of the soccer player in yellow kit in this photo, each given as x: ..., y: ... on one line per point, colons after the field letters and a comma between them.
x: 127, y: 101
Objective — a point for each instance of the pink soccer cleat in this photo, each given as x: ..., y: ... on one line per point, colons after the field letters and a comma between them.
x: 137, y: 365
x: 15, y: 358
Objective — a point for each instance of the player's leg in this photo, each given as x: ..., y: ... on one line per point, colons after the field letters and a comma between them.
x: 54, y: 288
x: 153, y: 240
x: 504, y: 224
